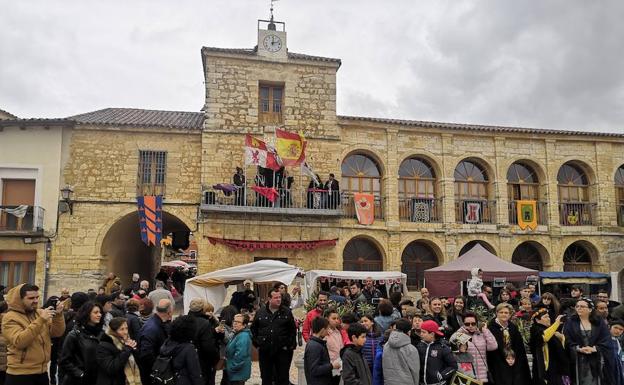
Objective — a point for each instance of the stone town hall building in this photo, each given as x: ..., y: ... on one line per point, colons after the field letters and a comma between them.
x: 422, y: 175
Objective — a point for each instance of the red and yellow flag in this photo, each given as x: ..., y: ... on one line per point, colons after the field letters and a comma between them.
x: 364, y: 208
x: 290, y: 147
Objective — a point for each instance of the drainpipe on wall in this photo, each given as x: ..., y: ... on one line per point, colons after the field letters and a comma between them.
x: 46, y: 268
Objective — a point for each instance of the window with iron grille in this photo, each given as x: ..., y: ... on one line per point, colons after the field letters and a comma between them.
x: 152, y: 173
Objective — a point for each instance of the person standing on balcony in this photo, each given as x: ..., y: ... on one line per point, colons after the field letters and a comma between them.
x: 239, y: 182
x: 333, y: 192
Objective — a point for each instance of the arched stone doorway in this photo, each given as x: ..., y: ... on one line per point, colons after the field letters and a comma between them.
x: 125, y: 253
x: 529, y: 255
x: 578, y: 257
x: 361, y: 254
x: 472, y: 244
x: 417, y: 257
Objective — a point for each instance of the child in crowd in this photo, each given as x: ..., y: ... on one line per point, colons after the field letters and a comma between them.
x: 416, y: 322
x: 475, y: 285
x: 316, y: 362
x: 373, y: 336
x: 437, y: 363
x: 336, y: 340
x: 465, y: 361
x: 355, y: 371
x: 510, y: 357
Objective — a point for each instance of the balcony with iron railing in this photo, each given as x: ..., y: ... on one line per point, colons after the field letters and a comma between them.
x: 542, y: 213
x: 348, y: 206
x: 421, y: 210
x: 232, y: 199
x: 577, y: 213
x: 475, y: 211
x: 21, y: 220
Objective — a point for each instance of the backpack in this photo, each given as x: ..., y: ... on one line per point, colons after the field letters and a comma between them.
x: 162, y: 371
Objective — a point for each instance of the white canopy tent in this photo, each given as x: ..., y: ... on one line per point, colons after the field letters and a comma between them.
x: 213, y: 286
x: 386, y: 277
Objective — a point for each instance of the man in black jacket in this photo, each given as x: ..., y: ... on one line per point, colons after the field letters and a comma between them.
x: 274, y: 334
x: 316, y: 363
x: 204, y: 340
x: 152, y: 337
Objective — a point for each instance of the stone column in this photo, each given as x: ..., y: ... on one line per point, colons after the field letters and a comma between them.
x: 390, y: 180
x: 447, y: 187
x: 552, y: 191
x: 500, y: 182
x: 603, y: 193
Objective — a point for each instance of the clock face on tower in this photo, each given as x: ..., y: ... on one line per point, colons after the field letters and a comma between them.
x: 272, y: 43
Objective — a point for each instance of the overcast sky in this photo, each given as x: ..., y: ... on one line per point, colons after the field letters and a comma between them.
x: 550, y: 64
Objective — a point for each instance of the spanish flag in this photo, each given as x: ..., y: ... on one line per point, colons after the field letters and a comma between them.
x: 290, y: 147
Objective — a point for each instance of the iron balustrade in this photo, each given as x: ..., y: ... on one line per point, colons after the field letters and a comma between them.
x: 577, y: 213
x: 311, y: 199
x: 32, y: 221
x: 475, y: 211
x: 424, y: 210
x: 542, y: 213
x: 348, y: 206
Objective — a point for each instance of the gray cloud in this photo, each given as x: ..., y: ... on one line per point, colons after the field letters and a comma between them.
x: 554, y: 64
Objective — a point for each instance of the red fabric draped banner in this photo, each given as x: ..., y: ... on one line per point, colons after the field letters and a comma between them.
x: 239, y: 244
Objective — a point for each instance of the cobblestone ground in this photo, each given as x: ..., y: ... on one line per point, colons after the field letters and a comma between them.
x: 255, y: 370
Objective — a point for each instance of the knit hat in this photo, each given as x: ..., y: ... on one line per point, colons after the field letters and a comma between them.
x: 197, y: 305
x: 431, y: 327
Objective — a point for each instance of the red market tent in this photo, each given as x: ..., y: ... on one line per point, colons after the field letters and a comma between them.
x: 446, y: 280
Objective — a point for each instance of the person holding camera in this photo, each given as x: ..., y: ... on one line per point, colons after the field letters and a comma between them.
x: 28, y: 331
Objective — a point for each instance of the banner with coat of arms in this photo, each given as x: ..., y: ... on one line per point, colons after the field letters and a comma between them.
x: 364, y: 208
x: 527, y: 214
x: 472, y: 212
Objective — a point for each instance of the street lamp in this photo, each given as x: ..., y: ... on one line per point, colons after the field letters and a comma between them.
x: 66, y: 193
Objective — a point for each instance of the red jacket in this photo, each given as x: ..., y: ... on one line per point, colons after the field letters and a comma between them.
x: 307, y: 324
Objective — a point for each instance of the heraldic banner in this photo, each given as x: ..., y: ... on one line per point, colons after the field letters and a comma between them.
x: 364, y: 208
x: 527, y: 214
x: 150, y: 219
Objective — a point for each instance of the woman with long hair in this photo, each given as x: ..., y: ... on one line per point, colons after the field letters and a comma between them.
x: 504, y: 297
x: 589, y: 341
x: 80, y: 346
x: 550, y: 364
x: 373, y: 336
x: 455, y: 317
x: 115, y: 356
x: 503, y: 369
x: 551, y: 303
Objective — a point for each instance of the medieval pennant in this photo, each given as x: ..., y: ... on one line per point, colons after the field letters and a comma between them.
x: 257, y: 154
x: 150, y: 219
x: 527, y: 214
x: 290, y: 147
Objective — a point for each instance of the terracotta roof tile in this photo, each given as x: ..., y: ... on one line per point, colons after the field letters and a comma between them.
x: 478, y: 127
x: 140, y: 117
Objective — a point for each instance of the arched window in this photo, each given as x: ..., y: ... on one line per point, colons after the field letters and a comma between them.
x: 471, y: 194
x: 523, y: 184
x: 577, y: 258
x: 468, y: 246
x: 619, y: 194
x: 361, y: 174
x: 416, y: 258
x: 362, y: 255
x: 574, y: 206
x: 527, y: 255
x: 417, y: 191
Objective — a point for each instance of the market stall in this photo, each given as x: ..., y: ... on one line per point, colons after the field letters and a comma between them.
x: 333, y: 277
x: 446, y: 280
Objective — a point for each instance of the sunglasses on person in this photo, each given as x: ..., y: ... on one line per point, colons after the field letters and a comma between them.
x: 470, y: 324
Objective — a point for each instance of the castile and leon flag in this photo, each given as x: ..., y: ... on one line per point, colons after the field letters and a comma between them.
x: 290, y: 147
x: 258, y: 154
x: 150, y: 219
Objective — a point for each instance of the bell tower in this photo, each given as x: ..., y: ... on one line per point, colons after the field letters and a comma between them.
x: 272, y: 38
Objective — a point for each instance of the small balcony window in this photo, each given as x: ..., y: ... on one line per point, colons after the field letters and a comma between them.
x: 271, y: 99
x: 152, y: 173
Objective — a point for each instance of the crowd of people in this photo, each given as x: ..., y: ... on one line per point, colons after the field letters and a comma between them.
x: 123, y: 337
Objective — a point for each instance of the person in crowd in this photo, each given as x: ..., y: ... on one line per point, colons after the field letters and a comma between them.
x: 321, y: 305
x: 133, y: 317
x: 135, y: 285
x: 417, y: 320
x: 348, y: 319
x: 396, y: 298
x: 77, y: 299
x: 116, y: 356
x: 617, y: 329
x: 455, y: 317
x: 508, y: 338
x: 423, y: 305
x: 373, y: 336
x: 602, y: 311
x: 204, y: 340
x: 370, y: 291
x: 437, y: 362
x: 238, y: 352
x: 404, y: 304
x: 55, y: 352
x: 106, y: 302
x: 424, y: 292
x: 356, y: 296
x: 551, y: 303
x: 109, y: 283
x: 3, y: 343
x: 475, y: 288
x: 145, y: 286
x: 28, y: 332
x: 274, y: 334
x: 239, y: 181
x: 386, y: 315
x: 533, y: 293
x: 568, y: 304
x: 179, y: 279
x: 224, y: 332
x: 336, y: 338
x: 80, y: 346
x: 118, y: 308
x: 378, y: 377
x: 401, y: 361
x: 162, y: 276
x: 550, y: 365
x: 333, y: 192
x: 245, y: 298
x: 179, y: 346
x: 91, y: 293
x: 603, y: 295
x: 316, y: 362
x: 146, y: 308
x: 160, y: 293
x: 588, y: 338
x: 481, y: 342
x: 65, y: 294
x: 438, y: 314
x: 336, y: 296
x: 504, y: 296
x: 152, y: 336
x: 465, y: 360
x: 355, y: 370
x: 522, y: 319
x: 286, y: 297
x: 101, y: 290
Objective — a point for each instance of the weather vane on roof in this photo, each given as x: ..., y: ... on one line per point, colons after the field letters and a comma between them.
x: 272, y: 1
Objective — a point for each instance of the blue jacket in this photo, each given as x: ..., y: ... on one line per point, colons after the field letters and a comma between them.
x: 378, y: 378
x: 152, y: 336
x: 238, y: 356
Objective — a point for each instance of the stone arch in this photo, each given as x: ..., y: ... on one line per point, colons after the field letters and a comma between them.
x: 587, y: 168
x: 418, y: 256
x: 367, y: 151
x: 433, y: 161
x: 580, y: 255
x: 372, y: 254
x: 530, y: 254
x: 124, y: 251
x: 539, y: 170
x: 469, y: 245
